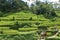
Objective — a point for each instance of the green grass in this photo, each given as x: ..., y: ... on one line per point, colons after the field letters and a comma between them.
x: 27, y: 29
x: 30, y: 32
x: 7, y: 22
x: 10, y: 32
x: 22, y: 15
x: 58, y: 13
x: 4, y: 28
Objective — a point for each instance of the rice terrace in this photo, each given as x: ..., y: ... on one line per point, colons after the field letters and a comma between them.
x: 29, y: 20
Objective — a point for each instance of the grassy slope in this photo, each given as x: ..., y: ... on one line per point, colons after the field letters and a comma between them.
x: 28, y: 15
x: 26, y: 31
x: 23, y: 15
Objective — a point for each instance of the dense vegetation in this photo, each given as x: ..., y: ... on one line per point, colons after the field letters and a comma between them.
x: 18, y: 21
x: 44, y: 8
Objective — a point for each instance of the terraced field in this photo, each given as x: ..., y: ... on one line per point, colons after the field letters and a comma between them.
x: 31, y: 24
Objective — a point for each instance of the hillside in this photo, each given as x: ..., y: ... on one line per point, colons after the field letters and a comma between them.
x: 26, y: 20
x: 29, y: 24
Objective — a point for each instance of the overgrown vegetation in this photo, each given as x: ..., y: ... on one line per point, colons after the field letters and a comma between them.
x: 44, y: 8
x: 18, y: 21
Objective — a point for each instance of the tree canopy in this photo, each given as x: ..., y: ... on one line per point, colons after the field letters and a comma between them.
x: 12, y: 5
x: 44, y: 8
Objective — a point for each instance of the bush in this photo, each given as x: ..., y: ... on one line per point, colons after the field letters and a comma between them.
x: 15, y: 26
x: 30, y: 18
